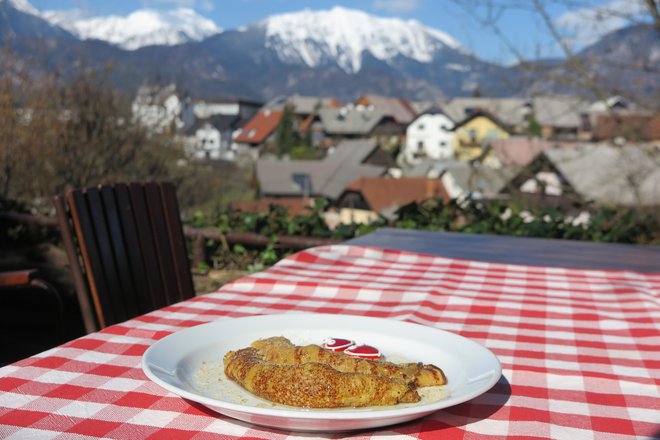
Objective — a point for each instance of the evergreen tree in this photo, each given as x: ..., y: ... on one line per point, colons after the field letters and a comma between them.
x: 286, y: 136
x: 533, y: 126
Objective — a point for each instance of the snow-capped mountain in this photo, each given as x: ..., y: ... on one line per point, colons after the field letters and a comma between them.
x: 141, y: 28
x: 337, y: 52
x: 22, y: 5
x: 19, y: 20
x: 343, y: 36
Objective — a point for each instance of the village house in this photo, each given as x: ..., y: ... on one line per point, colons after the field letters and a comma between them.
x: 631, y: 126
x: 519, y: 150
x: 603, y: 173
x: 429, y: 136
x: 369, y: 198
x: 562, y: 117
x: 210, y: 136
x: 304, y: 107
x: 514, y: 113
x: 257, y: 134
x: 331, y: 125
x: 619, y: 120
x: 401, y: 112
x: 472, y: 135
x: 399, y: 109
x: 462, y: 180
x: 320, y: 178
x: 610, y: 104
x: 516, y: 150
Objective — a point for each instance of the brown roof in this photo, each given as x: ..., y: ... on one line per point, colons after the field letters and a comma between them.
x: 400, y: 109
x: 295, y: 205
x: 386, y: 193
x: 257, y: 130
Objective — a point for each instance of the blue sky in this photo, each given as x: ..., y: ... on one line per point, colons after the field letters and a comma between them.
x: 521, y: 29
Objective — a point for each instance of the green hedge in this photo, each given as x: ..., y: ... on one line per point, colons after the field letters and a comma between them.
x: 493, y: 217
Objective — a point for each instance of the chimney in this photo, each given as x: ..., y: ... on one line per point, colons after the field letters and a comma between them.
x: 430, y: 188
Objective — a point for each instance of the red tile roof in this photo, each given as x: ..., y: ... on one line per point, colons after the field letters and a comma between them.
x: 307, y: 123
x: 257, y: 130
x: 382, y: 193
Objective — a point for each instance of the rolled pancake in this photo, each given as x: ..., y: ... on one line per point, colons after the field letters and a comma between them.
x: 282, y: 351
x: 313, y: 385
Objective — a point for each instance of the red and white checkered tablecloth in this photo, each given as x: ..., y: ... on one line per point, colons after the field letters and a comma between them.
x: 580, y: 350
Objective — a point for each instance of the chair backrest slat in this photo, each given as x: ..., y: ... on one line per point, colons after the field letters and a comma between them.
x: 161, y: 239
x: 130, y: 241
x: 136, y: 257
x: 118, y: 245
x: 147, y: 245
x: 106, y: 253
x: 177, y: 242
x: 82, y: 223
x: 82, y: 290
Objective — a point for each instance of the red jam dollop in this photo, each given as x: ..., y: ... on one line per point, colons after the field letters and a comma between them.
x: 363, y: 351
x: 337, y: 344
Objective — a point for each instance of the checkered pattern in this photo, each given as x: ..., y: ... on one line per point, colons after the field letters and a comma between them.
x: 579, y: 350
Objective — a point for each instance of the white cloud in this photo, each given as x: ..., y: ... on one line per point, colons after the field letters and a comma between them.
x: 396, y: 6
x: 586, y: 25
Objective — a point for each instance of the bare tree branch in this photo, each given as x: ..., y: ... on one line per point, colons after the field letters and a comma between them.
x: 654, y: 9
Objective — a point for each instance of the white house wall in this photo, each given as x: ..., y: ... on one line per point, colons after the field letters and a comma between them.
x: 429, y: 136
x: 204, y: 110
x: 208, y: 143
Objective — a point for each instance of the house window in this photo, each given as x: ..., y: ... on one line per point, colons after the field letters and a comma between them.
x: 492, y: 134
x: 420, y: 145
x: 420, y: 126
x: 443, y: 143
x: 472, y: 133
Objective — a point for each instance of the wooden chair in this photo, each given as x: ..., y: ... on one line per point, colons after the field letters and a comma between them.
x: 126, y: 249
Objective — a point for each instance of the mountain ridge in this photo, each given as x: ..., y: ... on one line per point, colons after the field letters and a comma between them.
x: 342, y: 35
x: 145, y: 27
x: 264, y: 60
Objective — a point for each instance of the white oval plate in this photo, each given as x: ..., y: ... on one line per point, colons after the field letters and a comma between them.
x: 189, y: 364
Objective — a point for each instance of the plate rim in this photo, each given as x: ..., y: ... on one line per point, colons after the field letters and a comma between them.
x: 318, y: 413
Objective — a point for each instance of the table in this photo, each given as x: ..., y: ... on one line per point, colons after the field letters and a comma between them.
x: 517, y: 250
x: 579, y: 350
